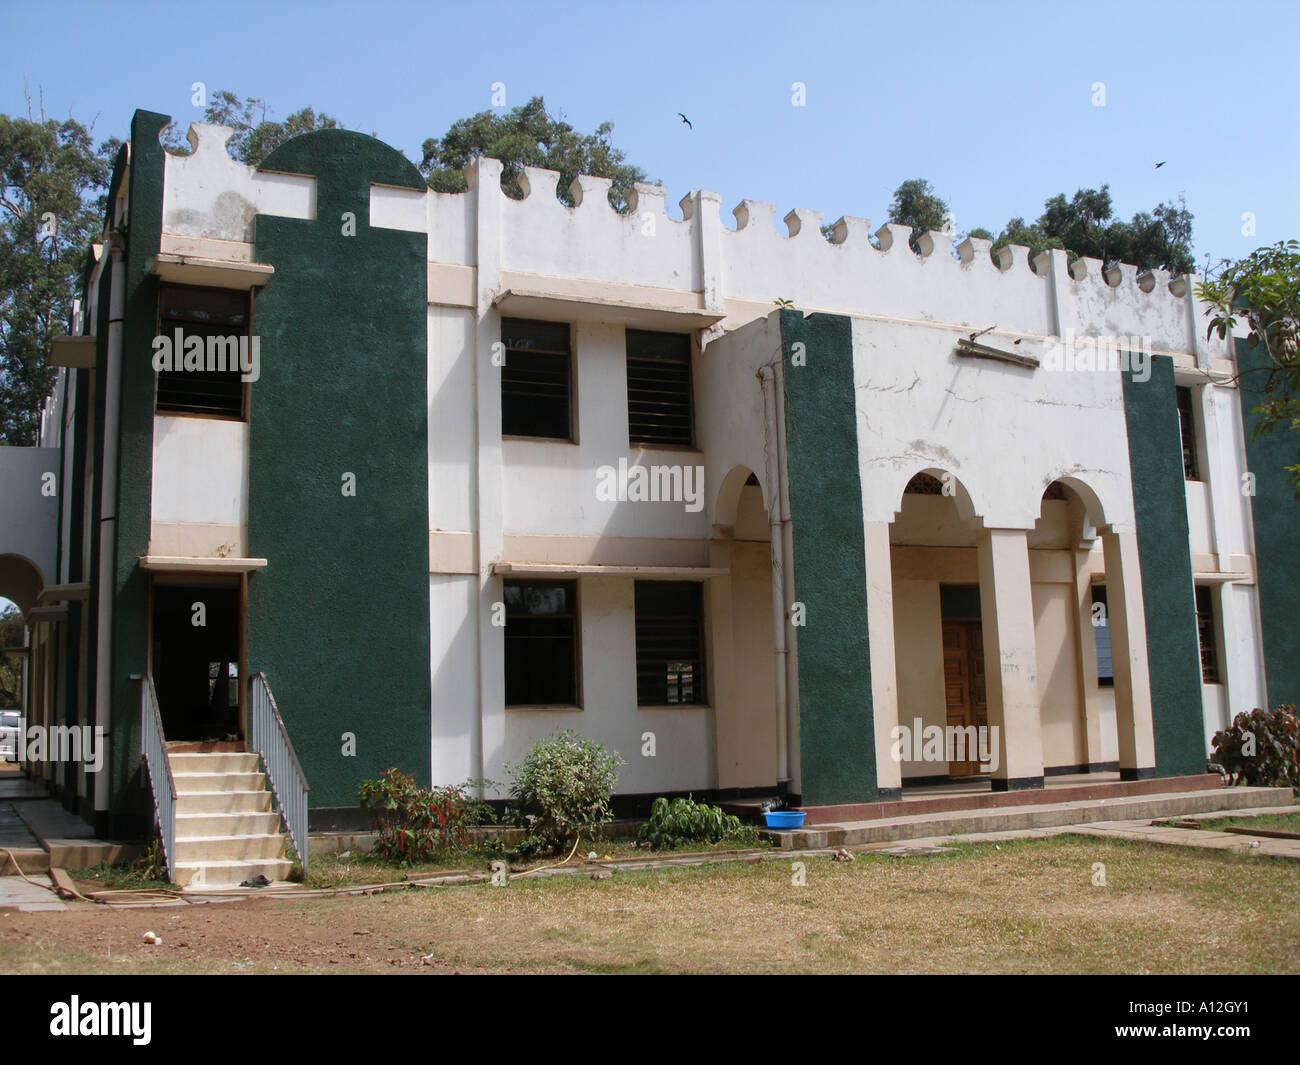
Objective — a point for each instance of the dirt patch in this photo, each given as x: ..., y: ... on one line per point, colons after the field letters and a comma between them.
x: 261, y: 936
x: 1067, y: 904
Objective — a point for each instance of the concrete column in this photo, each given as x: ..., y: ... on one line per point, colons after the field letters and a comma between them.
x: 488, y: 742
x: 1128, y: 648
x: 727, y: 719
x: 1010, y: 657
x: 880, y: 633
x: 1085, y: 650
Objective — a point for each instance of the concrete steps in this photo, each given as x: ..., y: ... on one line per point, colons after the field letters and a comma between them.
x: 226, y: 831
x: 227, y: 874
x: 221, y: 802
x: 191, y: 825
x: 1039, y: 815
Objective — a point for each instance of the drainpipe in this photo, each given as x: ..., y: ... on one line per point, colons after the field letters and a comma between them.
x: 108, y: 510
x: 787, y: 552
x: 767, y: 380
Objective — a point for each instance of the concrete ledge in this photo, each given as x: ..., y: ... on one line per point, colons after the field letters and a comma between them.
x: 818, y: 815
x: 30, y: 860
x: 1030, y: 816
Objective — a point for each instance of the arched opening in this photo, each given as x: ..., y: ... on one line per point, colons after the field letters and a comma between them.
x: 25, y: 660
x: 1078, y: 639
x: 1059, y: 544
x: 749, y: 729
x: 938, y: 634
x: 21, y: 581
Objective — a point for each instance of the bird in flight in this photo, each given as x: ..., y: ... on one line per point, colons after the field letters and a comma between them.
x: 685, y: 119
x: 1159, y: 165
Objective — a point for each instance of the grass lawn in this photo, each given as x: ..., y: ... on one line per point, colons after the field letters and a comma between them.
x: 1024, y: 906
x: 364, y: 867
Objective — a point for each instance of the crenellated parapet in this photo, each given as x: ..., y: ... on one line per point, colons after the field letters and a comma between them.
x: 738, y: 271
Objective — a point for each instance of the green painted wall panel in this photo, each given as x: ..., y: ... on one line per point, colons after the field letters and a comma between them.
x: 837, y: 742
x: 1276, y: 515
x: 130, y: 806
x: 1160, y: 502
x: 339, y: 619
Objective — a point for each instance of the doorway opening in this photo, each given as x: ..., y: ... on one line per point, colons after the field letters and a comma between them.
x: 197, y: 659
x: 965, y: 699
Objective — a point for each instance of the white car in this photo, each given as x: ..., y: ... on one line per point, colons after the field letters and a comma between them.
x: 11, y: 722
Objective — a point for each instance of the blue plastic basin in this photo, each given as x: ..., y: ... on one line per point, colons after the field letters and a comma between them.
x: 785, y: 818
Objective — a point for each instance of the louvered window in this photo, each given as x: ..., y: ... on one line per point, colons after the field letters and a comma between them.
x: 669, y: 643
x: 213, y: 384
x: 536, y: 380
x: 541, y: 643
x: 659, y: 389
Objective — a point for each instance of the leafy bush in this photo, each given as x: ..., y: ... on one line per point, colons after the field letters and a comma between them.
x: 563, y: 788
x: 681, y: 821
x: 1262, y: 748
x: 414, y: 823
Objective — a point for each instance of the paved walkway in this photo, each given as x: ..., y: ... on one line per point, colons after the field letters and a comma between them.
x: 1201, y: 838
x: 1141, y: 830
x: 13, y: 785
x: 17, y: 893
x: 14, y: 834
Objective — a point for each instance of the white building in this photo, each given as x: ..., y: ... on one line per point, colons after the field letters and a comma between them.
x: 908, y: 494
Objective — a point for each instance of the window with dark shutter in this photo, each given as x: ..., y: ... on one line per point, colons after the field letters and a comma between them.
x: 1205, y: 633
x: 221, y: 319
x: 1101, y: 638
x: 669, y: 643
x: 536, y: 380
x: 1187, y: 427
x: 541, y: 643
x: 659, y: 389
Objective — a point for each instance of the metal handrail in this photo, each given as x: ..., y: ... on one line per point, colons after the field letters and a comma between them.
x: 153, y: 746
x: 283, y: 770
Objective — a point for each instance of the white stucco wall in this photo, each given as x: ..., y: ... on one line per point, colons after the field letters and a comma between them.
x: 1200, y: 523
x: 921, y: 406
x: 551, y: 487
x: 200, y: 471
x: 683, y: 736
x: 453, y: 447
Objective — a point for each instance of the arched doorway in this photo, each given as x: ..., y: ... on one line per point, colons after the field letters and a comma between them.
x: 943, y: 723
x: 749, y: 715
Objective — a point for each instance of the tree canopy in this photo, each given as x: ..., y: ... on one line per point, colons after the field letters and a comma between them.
x: 1084, y: 226
x: 52, y: 184
x: 529, y: 135
x: 255, y: 136
x: 915, y: 204
x: 1263, y: 290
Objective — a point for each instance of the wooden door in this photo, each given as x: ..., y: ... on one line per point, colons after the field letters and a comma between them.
x: 964, y: 691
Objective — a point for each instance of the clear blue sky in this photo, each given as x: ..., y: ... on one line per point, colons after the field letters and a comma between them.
x: 992, y: 103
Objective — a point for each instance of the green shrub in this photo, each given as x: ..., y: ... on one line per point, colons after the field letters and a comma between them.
x: 1262, y: 748
x: 562, y: 789
x: 413, y: 823
x: 682, y: 821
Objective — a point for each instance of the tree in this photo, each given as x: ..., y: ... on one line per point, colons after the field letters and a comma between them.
x: 917, y: 205
x: 1264, y: 290
x: 11, y: 635
x: 255, y: 136
x: 52, y: 181
x: 1085, y: 226
x: 528, y: 136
